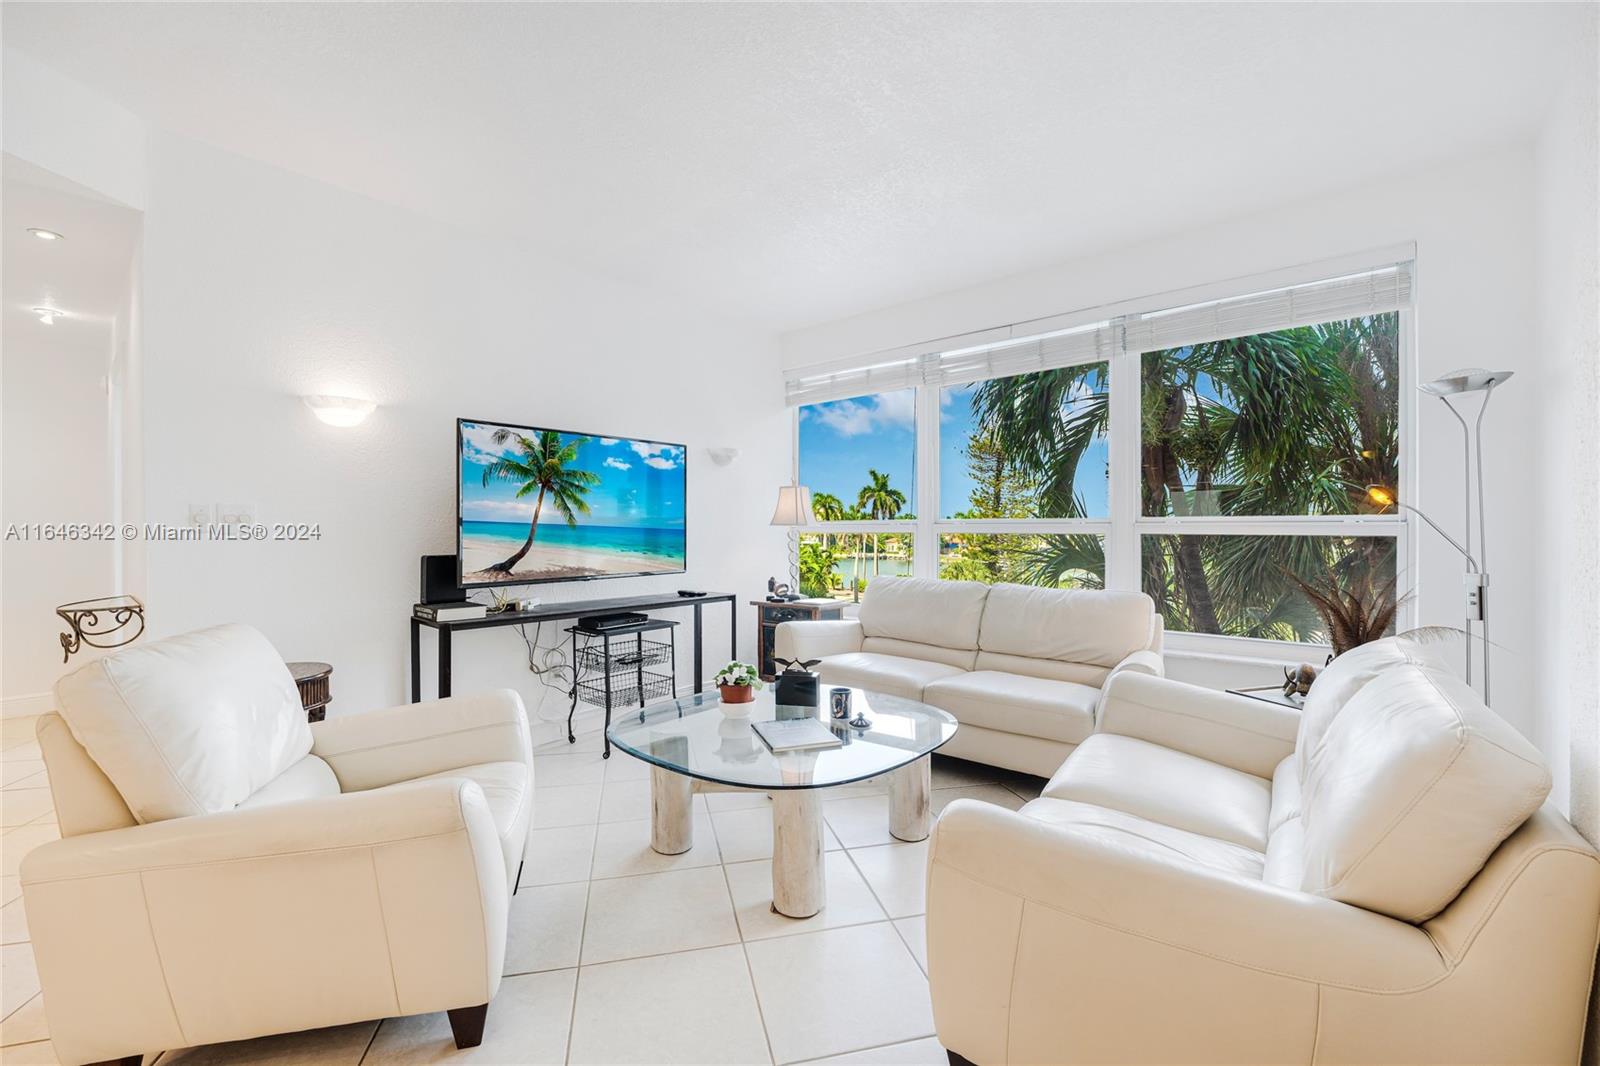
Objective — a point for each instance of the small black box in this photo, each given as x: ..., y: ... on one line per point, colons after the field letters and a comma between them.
x: 796, y: 688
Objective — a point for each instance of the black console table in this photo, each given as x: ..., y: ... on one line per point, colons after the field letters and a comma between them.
x: 556, y: 612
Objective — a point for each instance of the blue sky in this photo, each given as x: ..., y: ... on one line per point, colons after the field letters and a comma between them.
x: 840, y: 441
x: 641, y: 483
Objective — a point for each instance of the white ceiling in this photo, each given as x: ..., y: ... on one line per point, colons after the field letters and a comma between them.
x: 792, y: 164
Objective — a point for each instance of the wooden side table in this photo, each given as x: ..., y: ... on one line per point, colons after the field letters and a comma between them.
x: 768, y: 616
x: 312, y: 681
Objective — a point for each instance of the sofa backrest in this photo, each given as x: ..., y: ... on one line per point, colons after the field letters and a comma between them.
x: 188, y: 725
x: 1091, y: 627
x: 923, y: 618
x: 1412, y: 787
x: 1342, y: 679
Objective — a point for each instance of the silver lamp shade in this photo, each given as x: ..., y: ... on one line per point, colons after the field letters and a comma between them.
x: 1467, y: 379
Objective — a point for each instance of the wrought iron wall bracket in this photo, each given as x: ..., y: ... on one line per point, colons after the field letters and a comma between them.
x: 107, y: 622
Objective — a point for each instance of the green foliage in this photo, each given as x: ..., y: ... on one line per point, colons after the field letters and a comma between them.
x: 1293, y: 422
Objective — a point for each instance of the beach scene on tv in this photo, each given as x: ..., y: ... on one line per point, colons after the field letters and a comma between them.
x: 543, y: 505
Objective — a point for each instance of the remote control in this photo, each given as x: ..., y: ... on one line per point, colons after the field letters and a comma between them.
x: 689, y: 592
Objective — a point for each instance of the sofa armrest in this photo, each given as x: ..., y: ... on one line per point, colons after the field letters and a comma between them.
x: 1142, y: 661
x: 1249, y: 735
x: 268, y: 919
x: 1027, y: 917
x: 377, y: 748
x: 816, y: 640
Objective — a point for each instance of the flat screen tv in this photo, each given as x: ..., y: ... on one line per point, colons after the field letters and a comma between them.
x: 536, y: 504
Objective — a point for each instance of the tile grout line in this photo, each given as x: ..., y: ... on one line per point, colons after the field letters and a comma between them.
x: 583, y: 932
x: 863, y: 1050
x: 744, y: 951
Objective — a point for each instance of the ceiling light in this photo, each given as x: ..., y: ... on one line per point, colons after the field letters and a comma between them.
x: 48, y: 315
x: 45, y: 234
x: 340, y: 410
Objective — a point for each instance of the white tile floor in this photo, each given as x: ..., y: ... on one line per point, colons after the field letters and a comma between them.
x: 617, y: 954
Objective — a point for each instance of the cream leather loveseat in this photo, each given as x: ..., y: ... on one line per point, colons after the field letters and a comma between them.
x: 1020, y: 667
x: 227, y: 871
x: 1213, y: 879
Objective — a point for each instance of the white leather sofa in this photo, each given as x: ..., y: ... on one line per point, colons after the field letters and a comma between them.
x: 226, y: 870
x: 1020, y: 667
x: 1210, y: 878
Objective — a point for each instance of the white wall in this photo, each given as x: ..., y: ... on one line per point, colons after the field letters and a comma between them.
x: 56, y: 468
x: 1472, y: 221
x: 260, y: 286
x: 1567, y: 342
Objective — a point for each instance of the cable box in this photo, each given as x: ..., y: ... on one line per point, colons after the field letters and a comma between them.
x: 612, y: 621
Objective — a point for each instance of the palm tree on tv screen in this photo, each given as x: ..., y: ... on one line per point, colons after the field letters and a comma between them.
x: 544, y: 465
x: 1292, y: 422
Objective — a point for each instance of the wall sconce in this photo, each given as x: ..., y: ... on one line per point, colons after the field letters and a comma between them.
x: 340, y: 410
x: 723, y: 456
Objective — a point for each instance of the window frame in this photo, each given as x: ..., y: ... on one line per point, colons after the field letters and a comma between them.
x: 1123, y: 530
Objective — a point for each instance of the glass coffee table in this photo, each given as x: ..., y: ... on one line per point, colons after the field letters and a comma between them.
x: 693, y: 747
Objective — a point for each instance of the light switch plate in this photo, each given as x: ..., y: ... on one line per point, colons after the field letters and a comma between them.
x: 199, y: 514
x: 236, y: 514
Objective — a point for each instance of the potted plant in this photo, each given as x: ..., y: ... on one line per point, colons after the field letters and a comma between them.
x: 738, y: 683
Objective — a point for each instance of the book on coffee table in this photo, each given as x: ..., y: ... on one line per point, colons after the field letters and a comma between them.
x: 796, y: 734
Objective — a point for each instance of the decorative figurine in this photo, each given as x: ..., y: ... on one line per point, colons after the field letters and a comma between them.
x: 1297, y: 682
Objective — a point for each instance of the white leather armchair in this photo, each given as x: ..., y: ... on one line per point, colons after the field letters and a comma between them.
x: 1210, y: 878
x: 227, y: 871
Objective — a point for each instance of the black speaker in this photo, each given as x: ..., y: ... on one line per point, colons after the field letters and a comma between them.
x: 439, y: 580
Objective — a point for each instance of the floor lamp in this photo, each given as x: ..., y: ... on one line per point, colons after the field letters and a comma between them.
x: 1460, y: 383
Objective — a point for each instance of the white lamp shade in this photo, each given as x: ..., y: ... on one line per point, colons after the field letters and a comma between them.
x: 794, y: 506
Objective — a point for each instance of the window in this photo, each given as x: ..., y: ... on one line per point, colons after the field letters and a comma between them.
x: 1026, y: 446
x: 859, y: 457
x: 1215, y: 455
x: 841, y: 565
x: 1263, y: 586
x: 1294, y: 422
x: 1059, y: 560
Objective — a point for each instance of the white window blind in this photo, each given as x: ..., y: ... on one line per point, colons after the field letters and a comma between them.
x: 1369, y: 293
x: 842, y: 384
x: 1086, y: 344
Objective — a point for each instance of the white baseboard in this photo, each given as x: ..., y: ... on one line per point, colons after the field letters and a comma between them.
x: 26, y: 706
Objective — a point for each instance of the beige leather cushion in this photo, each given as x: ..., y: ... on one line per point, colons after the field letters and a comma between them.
x: 84, y: 798
x: 1343, y: 678
x: 188, y: 725
x: 923, y: 610
x: 1124, y: 830
x: 883, y: 673
x: 1415, y: 783
x: 905, y: 649
x: 1054, y: 669
x: 506, y: 786
x: 1032, y: 706
x: 309, y: 778
x: 1070, y: 625
x: 1166, y: 786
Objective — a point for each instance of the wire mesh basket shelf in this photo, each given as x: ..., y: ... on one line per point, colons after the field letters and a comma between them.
x: 625, y: 688
x: 625, y: 655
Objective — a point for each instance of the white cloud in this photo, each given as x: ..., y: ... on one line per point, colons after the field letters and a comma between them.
x: 854, y: 418
x: 660, y: 456
x: 478, y: 446
x: 617, y: 464
x: 498, y: 510
x: 609, y: 441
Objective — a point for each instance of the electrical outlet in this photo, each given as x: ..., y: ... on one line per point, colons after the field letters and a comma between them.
x: 199, y: 514
x: 236, y: 514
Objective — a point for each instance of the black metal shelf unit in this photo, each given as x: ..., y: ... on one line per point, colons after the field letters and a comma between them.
x: 611, y: 668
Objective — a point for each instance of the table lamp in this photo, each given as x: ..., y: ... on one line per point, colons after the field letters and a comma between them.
x: 793, y: 511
